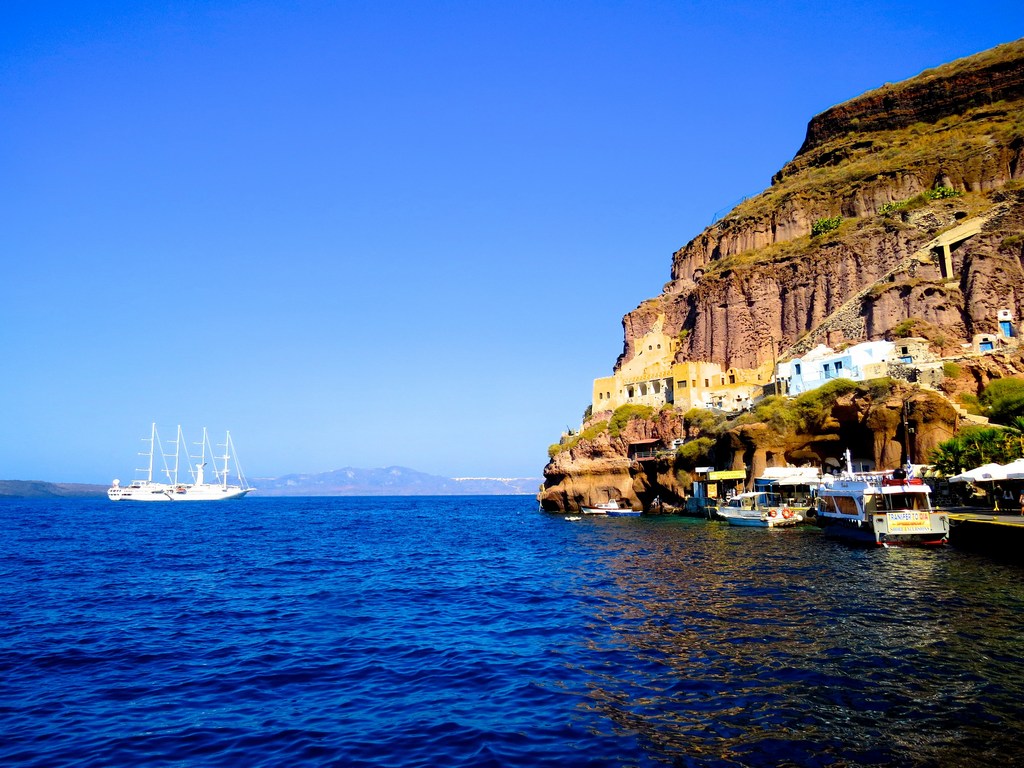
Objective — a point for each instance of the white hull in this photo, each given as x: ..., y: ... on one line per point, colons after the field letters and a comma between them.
x: 207, y: 492
x: 199, y: 490
x: 761, y: 521
x: 163, y: 492
x: 140, y: 492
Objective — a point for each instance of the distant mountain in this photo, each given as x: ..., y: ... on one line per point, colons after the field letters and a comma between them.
x: 392, y: 481
x: 37, y: 489
x: 388, y: 481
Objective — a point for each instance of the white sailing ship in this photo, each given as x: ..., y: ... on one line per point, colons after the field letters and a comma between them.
x: 175, y: 490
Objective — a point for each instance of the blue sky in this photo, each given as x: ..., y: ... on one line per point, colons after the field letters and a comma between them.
x: 375, y: 233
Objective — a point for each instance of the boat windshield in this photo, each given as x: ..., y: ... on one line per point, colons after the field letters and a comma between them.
x: 755, y: 500
x: 904, y: 501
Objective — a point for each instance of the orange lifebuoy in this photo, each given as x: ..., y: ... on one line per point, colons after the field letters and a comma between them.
x: 787, y: 513
x: 772, y: 513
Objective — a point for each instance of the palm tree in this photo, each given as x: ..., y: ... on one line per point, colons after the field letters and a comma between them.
x: 949, y: 457
x: 1015, y: 438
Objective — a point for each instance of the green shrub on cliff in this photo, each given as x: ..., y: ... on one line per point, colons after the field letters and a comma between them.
x: 814, y: 408
x: 942, y: 193
x: 1003, y: 399
x: 694, y: 452
x: 893, y: 207
x: 877, y: 389
x: 571, y: 441
x: 825, y: 225
x: 778, y: 412
x: 625, y: 414
x: 700, y: 421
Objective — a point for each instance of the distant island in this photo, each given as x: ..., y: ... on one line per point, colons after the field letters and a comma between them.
x: 393, y: 481
x: 38, y: 489
x: 350, y: 481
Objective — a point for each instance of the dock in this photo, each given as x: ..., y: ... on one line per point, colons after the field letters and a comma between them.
x: 987, y: 532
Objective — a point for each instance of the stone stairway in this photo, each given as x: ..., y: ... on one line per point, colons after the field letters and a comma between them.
x: 848, y: 316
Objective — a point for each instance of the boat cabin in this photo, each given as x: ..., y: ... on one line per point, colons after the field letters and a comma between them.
x: 754, y: 500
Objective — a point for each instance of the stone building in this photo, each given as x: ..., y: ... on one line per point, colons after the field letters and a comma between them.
x: 651, y: 377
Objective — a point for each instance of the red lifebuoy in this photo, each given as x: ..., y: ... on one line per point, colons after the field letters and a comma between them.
x: 787, y: 513
x: 772, y: 513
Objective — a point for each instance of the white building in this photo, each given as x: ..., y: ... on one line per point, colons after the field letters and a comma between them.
x: 867, y: 360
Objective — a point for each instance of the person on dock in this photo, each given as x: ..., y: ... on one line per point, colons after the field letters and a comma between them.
x: 1021, y: 502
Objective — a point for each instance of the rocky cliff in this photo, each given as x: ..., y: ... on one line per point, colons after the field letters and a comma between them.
x: 904, y: 205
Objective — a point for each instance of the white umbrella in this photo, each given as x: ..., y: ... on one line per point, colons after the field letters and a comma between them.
x: 986, y: 473
x: 1015, y: 470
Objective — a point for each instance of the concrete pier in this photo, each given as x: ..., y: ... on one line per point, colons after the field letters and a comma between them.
x: 988, y: 532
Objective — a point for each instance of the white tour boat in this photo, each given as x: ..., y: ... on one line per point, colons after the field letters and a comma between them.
x: 881, y: 508
x: 173, y: 490
x: 758, y: 509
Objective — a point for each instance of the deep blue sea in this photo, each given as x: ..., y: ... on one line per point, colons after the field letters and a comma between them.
x: 481, y: 632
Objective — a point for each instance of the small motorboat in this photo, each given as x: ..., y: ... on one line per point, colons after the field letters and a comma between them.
x: 612, y: 508
x: 758, y: 509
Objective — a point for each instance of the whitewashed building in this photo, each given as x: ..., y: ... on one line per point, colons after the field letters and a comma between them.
x: 867, y: 360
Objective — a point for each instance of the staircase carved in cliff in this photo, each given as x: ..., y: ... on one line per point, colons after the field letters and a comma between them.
x: 848, y: 317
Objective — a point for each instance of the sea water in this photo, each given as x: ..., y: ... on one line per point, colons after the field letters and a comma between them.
x: 482, y: 632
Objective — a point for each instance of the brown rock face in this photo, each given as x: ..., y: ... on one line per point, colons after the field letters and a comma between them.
x: 954, y: 89
x: 758, y: 279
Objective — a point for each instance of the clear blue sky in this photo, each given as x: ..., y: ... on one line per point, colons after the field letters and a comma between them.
x: 375, y: 233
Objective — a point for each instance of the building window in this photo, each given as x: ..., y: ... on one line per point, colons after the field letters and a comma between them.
x: 629, y: 392
x: 797, y: 369
x: 706, y: 384
x: 732, y: 378
x: 681, y: 383
x: 827, y: 370
x: 839, y: 366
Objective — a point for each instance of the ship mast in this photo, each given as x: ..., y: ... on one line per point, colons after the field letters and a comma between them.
x: 226, y: 456
x: 152, y: 442
x: 179, y: 438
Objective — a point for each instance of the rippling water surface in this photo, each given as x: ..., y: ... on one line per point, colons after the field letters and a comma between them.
x: 480, y: 632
